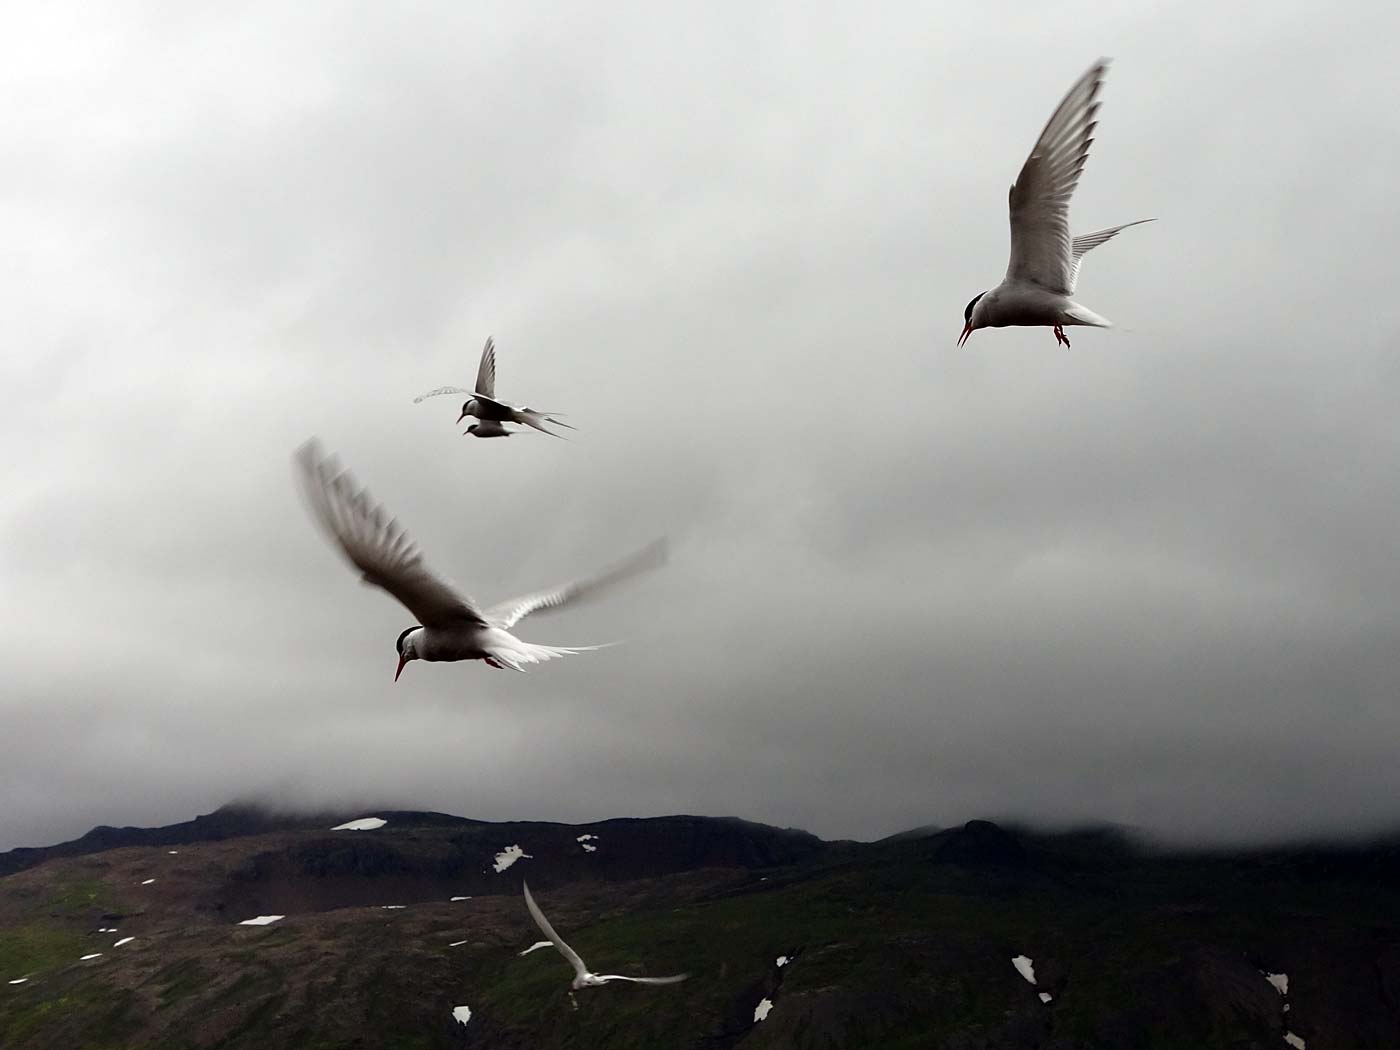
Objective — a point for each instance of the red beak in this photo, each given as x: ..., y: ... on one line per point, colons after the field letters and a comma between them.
x: 402, y: 660
x: 967, y: 331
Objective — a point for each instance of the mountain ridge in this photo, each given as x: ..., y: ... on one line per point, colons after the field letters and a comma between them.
x: 120, y: 938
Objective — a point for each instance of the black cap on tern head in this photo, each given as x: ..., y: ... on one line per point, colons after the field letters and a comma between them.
x: 967, y: 317
x: 399, y: 646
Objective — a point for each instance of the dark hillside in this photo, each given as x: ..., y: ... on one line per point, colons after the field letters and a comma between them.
x: 907, y: 942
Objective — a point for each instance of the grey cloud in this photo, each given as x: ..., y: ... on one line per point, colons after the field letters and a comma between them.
x: 1150, y: 580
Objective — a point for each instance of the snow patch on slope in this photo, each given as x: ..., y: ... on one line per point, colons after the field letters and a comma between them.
x: 1025, y: 967
x: 509, y: 856
x: 362, y: 824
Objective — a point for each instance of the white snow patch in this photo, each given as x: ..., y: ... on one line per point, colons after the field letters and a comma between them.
x: 1279, y: 981
x: 536, y: 947
x: 124, y: 940
x: 586, y: 838
x: 509, y: 856
x: 19, y: 980
x: 1294, y: 1040
x: 148, y: 882
x: 363, y: 824
x: 454, y: 900
x: 456, y: 944
x: 461, y: 1014
x: 94, y: 955
x: 782, y: 961
x: 173, y: 852
x: 106, y: 929
x: 393, y: 907
x: 764, y: 1007
x: 1045, y: 997
x: 262, y: 920
x: 584, y: 841
x: 1024, y: 967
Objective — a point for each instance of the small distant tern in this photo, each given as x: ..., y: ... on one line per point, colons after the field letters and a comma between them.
x: 484, y: 406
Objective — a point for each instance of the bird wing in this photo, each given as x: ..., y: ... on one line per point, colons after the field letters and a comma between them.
x: 1041, y: 251
x: 507, y: 614
x: 495, y: 401
x: 675, y: 979
x: 376, y: 543
x: 548, y: 930
x: 441, y: 390
x: 1082, y: 244
x: 486, y: 372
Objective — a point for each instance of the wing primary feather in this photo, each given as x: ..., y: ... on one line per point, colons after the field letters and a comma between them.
x: 1086, y: 242
x: 508, y: 613
x: 1039, y: 198
x: 548, y: 930
x: 486, y: 371
x: 441, y: 390
x: 376, y: 544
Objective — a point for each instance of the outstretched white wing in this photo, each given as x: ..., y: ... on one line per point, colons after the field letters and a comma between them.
x: 486, y: 371
x: 376, y: 544
x: 440, y: 390
x: 548, y: 930
x: 507, y: 614
x: 1041, y: 251
x: 1087, y: 241
x: 676, y: 979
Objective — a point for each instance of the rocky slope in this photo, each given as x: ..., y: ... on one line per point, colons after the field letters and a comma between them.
x: 907, y: 942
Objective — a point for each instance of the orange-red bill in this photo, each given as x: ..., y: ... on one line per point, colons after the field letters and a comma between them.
x: 402, y: 660
x: 967, y: 331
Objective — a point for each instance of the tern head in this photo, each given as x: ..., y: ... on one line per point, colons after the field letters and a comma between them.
x: 487, y: 430
x: 970, y: 316
x: 468, y: 409
x: 406, y: 648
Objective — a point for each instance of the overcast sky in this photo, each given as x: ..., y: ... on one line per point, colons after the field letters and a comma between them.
x: 1151, y: 580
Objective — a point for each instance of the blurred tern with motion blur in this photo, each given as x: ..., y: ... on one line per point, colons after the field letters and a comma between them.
x: 1044, y: 259
x: 492, y: 413
x: 451, y: 626
x: 583, y: 978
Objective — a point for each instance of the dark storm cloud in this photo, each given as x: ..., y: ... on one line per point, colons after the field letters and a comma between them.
x: 1149, y: 580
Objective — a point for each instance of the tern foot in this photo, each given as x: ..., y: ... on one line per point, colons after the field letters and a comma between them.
x: 1060, y: 336
x: 492, y: 663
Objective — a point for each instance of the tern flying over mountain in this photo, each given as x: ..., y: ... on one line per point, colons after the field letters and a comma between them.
x: 1044, y: 259
x: 451, y: 625
x: 582, y: 977
x: 485, y: 407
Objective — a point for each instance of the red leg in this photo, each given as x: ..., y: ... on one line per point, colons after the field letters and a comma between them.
x: 1060, y: 336
x: 492, y: 663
